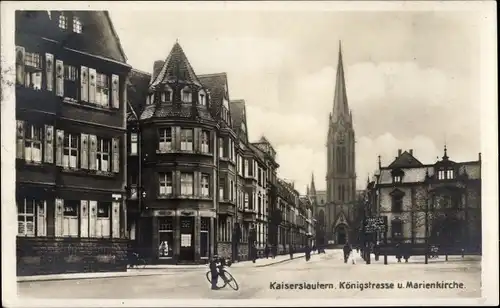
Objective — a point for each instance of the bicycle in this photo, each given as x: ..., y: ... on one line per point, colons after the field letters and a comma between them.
x: 226, y: 277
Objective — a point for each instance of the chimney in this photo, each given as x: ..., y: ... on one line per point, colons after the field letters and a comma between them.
x: 157, y: 68
x: 399, y: 152
x: 479, y: 156
x: 411, y: 152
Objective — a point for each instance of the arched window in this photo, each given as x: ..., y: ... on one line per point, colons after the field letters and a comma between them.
x: 202, y: 98
x: 186, y: 95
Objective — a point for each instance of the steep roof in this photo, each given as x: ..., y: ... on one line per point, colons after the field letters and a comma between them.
x: 137, y: 90
x: 216, y: 84
x: 176, y: 68
x: 405, y: 160
x: 238, y: 114
x: 340, y: 105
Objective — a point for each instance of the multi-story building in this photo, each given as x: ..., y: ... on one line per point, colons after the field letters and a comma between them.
x: 308, y: 224
x: 440, y: 202
x: 288, y: 203
x: 70, y: 160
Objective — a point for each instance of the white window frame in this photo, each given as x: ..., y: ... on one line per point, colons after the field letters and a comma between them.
x: 186, y: 95
x: 441, y: 174
x: 202, y: 98
x: 77, y: 25
x: 165, y: 143
x: 28, y: 227
x: 102, y: 90
x: 222, y: 188
x: 102, y: 155
x: 221, y: 148
x: 103, y: 223
x: 186, y: 139
x: 134, y: 139
x: 165, y: 182
x: 397, y: 179
x: 205, y: 142
x: 205, y: 185
x: 70, y: 73
x: 247, y: 201
x: 69, y: 221
x: 71, y: 152
x: 187, y: 183
x: 450, y: 174
x: 33, y: 140
x: 63, y: 22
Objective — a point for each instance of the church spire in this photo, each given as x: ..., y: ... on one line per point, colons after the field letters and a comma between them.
x: 340, y: 106
x: 313, y: 187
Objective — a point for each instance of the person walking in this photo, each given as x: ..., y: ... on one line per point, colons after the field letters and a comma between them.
x: 266, y: 251
x: 214, y: 271
x: 291, y: 251
x: 308, y: 252
x: 347, y: 251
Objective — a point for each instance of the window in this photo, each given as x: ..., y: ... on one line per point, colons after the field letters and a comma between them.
x: 33, y: 74
x: 187, y: 184
x: 165, y: 139
x: 187, y: 139
x: 205, y: 185
x: 133, y: 143
x: 102, y: 90
x: 63, y: 22
x: 397, y: 204
x: 70, y: 217
x: 246, y: 171
x: 33, y: 60
x: 202, y: 98
x: 70, y: 73
x: 186, y: 95
x: 397, y: 228
x: 103, y: 227
x: 205, y: 142
x: 27, y: 211
x: 397, y: 179
x: 102, y: 161
x: 222, y: 183
x: 450, y: 174
x: 70, y: 151
x: 33, y: 144
x: 246, y: 201
x: 221, y: 147
x: 77, y: 25
x: 165, y: 184
x: 166, y: 237
x: 166, y: 96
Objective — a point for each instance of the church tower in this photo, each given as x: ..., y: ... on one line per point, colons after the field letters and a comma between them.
x: 341, y: 174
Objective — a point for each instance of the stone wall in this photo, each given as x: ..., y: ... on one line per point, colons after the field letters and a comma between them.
x: 42, y: 256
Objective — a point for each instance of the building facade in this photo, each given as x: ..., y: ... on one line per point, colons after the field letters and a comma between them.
x: 439, y: 202
x: 71, y: 136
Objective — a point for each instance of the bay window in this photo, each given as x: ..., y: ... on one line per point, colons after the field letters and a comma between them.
x: 33, y: 144
x: 103, y: 149
x: 165, y: 139
x: 221, y: 147
x: 70, y: 218
x: 70, y: 151
x: 205, y: 185
x: 165, y: 183
x: 222, y: 183
x: 186, y: 139
x: 205, y: 142
x: 103, y: 227
x: 187, y: 184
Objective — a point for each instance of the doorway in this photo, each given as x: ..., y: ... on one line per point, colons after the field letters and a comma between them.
x: 341, y: 235
x: 186, y: 252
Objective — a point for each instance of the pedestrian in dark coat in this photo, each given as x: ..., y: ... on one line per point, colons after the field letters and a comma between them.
x: 214, y: 271
x: 266, y: 251
x: 291, y: 252
x: 308, y: 252
x: 254, y: 252
x: 347, y: 251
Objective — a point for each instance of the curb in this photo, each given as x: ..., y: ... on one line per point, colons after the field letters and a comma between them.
x: 23, y: 279
x: 279, y: 262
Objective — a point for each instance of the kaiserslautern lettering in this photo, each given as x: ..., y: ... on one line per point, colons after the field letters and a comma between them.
x: 300, y: 286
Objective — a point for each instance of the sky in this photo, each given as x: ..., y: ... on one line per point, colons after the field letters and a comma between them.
x: 412, y: 78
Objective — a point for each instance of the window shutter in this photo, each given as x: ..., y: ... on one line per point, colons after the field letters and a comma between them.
x: 59, y: 147
x: 92, y: 84
x: 20, y: 139
x: 92, y: 152
x: 41, y: 221
x: 84, y: 83
x: 116, y: 155
x: 49, y: 71
x: 115, y: 216
x: 92, y: 218
x: 20, y: 55
x: 84, y: 152
x: 59, y: 219
x: 115, y: 91
x: 196, y: 140
x: 84, y: 222
x: 59, y: 78
x: 49, y: 144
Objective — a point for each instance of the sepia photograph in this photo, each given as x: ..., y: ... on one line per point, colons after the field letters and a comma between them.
x: 318, y: 153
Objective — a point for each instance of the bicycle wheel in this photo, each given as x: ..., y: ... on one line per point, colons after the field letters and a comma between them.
x: 221, y: 283
x: 231, y: 281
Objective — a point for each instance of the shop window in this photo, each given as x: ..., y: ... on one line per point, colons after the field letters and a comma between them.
x: 166, y: 237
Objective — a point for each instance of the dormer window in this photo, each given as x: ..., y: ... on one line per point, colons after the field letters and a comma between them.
x: 63, y: 22
x: 187, y: 95
x: 77, y: 25
x: 397, y: 179
x: 450, y: 174
x: 202, y: 98
x: 446, y: 174
x: 150, y: 99
x: 166, y: 96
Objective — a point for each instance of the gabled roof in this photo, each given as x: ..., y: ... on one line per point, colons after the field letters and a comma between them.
x: 216, y: 84
x: 238, y: 115
x: 117, y: 38
x: 176, y: 68
x: 137, y: 90
x: 405, y: 160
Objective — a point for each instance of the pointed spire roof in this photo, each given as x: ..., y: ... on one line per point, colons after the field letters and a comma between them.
x: 175, y: 68
x: 340, y: 106
x: 313, y: 187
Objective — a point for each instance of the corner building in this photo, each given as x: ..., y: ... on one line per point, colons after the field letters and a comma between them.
x: 70, y: 138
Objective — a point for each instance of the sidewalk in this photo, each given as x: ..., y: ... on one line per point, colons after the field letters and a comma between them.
x: 421, y: 260
x: 151, y: 270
